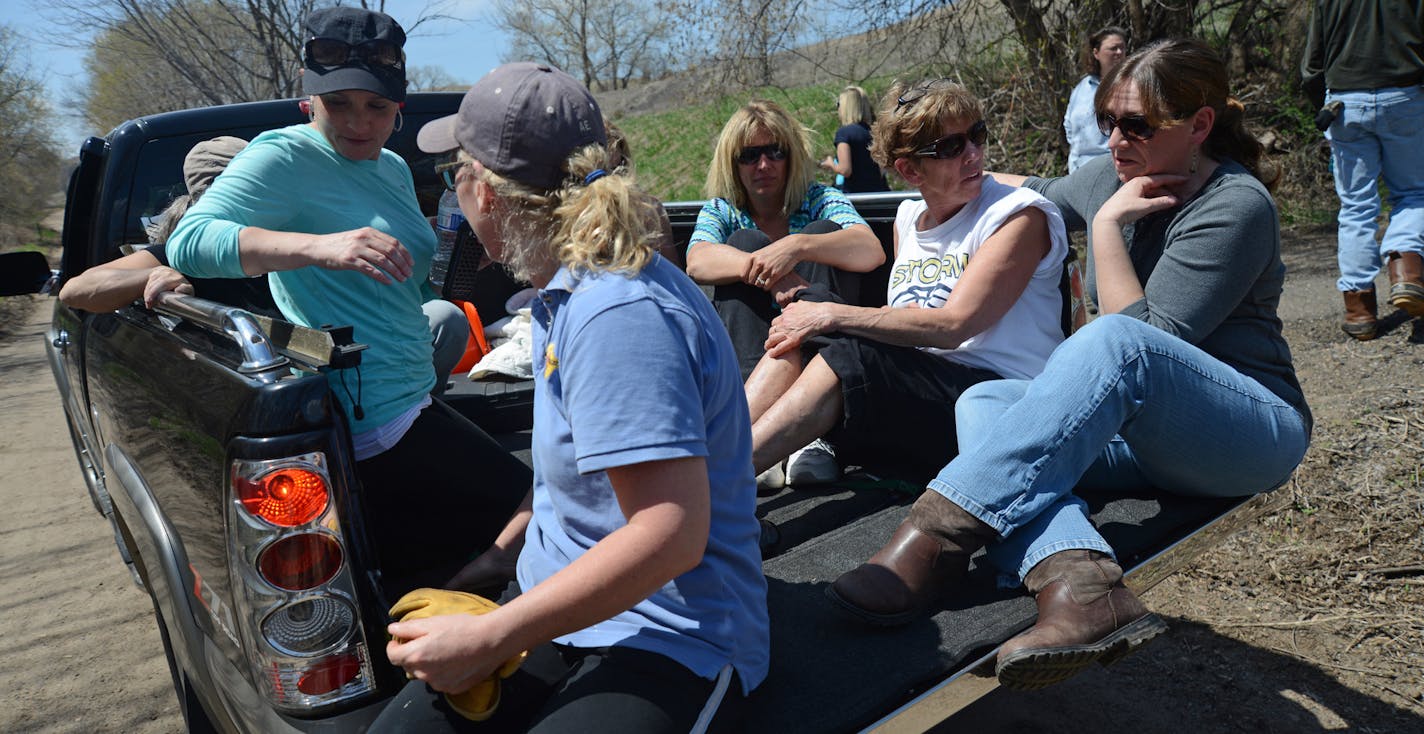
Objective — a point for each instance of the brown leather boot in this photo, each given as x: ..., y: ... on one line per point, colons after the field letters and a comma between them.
x: 930, y: 549
x: 1085, y: 615
x: 1360, y: 315
x: 1406, y: 282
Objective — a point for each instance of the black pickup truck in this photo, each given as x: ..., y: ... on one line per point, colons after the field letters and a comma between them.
x: 184, y: 415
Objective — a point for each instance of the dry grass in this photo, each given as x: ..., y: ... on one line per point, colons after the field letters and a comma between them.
x: 1337, y: 579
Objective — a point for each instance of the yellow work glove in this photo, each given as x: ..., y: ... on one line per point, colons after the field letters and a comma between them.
x: 478, y: 703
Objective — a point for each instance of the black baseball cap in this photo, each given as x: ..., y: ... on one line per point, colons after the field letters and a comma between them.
x: 521, y: 121
x: 358, y: 29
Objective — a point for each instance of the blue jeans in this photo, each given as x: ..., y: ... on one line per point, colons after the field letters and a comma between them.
x: 1379, y: 133
x: 1121, y: 404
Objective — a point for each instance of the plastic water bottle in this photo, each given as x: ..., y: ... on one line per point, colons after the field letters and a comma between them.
x: 447, y: 225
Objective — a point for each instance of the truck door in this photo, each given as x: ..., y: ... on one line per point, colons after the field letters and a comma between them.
x: 64, y: 342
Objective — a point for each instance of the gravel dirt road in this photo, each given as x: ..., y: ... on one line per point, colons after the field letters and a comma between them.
x: 1312, y: 620
x: 80, y: 648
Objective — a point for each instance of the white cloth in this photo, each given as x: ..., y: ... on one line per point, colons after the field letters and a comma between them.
x: 511, y: 351
x: 930, y: 263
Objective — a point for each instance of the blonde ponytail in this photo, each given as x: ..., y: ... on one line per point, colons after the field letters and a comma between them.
x: 602, y: 216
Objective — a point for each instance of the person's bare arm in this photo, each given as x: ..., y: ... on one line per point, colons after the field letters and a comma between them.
x: 841, y: 163
x: 993, y: 281
x: 117, y: 283
x: 496, y: 565
x: 714, y: 263
x: 854, y: 248
x: 668, y: 507
x: 1118, y: 286
x: 365, y: 250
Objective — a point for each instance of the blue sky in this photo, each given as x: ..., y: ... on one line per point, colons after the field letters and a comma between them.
x: 465, y: 48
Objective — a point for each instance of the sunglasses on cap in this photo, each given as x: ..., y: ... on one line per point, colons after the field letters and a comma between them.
x: 914, y: 95
x: 1133, y: 127
x: 335, y: 52
x: 753, y: 153
x: 953, y: 145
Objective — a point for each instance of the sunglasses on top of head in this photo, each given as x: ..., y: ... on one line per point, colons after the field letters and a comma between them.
x: 953, y: 145
x: 335, y: 52
x: 1133, y: 127
x: 753, y: 153
x: 914, y: 94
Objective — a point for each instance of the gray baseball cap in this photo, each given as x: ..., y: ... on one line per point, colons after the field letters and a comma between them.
x: 521, y: 121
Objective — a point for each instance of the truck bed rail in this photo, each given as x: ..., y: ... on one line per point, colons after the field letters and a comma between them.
x: 265, y: 342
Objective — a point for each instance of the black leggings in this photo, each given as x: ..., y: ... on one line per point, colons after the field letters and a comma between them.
x: 437, y: 498
x: 747, y: 311
x: 579, y: 691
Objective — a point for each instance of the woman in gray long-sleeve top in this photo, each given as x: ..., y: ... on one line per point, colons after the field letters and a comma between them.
x: 1184, y: 384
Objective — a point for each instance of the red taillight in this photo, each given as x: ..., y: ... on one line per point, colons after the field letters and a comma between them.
x: 299, y: 562
x: 285, y: 497
x: 329, y: 674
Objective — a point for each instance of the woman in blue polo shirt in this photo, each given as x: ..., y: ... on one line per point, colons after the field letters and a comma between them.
x: 640, y: 560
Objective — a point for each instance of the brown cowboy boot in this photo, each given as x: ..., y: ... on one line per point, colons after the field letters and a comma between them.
x: 1085, y: 614
x: 1360, y: 319
x: 1406, y: 282
x: 930, y: 549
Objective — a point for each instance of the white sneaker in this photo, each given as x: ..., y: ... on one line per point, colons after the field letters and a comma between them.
x: 814, y: 464
x: 772, y: 480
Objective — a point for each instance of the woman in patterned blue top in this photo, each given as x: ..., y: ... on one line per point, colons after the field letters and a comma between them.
x: 769, y: 230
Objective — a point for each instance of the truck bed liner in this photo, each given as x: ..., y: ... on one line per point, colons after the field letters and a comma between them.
x: 498, y: 406
x: 831, y: 673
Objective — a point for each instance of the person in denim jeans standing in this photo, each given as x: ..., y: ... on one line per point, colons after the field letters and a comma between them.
x: 1364, y: 63
x: 1185, y: 383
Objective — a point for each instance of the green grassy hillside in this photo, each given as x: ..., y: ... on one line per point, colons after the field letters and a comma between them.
x: 673, y: 149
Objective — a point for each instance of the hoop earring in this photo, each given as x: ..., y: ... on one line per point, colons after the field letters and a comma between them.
x: 400, y: 122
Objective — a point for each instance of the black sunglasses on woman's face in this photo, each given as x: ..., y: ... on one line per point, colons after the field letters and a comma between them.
x: 448, y: 171
x: 953, y: 145
x: 335, y: 52
x: 753, y: 153
x: 1133, y: 127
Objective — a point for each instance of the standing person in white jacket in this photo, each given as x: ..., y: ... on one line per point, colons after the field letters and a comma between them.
x: 1103, y: 52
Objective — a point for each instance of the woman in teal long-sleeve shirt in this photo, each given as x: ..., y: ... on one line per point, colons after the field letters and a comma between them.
x: 331, y: 216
